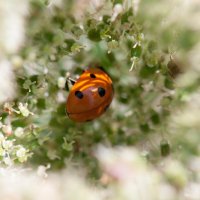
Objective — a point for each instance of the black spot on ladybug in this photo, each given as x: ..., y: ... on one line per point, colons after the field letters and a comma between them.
x: 101, y: 91
x: 79, y: 94
x: 106, y: 108
x: 92, y: 76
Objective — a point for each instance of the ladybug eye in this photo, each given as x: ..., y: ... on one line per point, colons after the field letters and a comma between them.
x: 101, y: 91
x: 79, y: 94
x: 92, y: 76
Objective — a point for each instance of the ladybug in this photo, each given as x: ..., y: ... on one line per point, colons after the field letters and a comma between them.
x: 90, y: 95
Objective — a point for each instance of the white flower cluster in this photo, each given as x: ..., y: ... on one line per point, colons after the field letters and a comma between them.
x: 10, y: 152
x: 23, y: 108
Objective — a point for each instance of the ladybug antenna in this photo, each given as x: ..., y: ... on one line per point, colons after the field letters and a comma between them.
x: 72, y: 81
x: 67, y: 83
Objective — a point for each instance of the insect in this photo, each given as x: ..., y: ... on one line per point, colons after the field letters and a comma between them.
x: 90, y: 95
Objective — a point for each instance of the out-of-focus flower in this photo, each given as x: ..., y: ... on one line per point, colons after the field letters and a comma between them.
x: 17, y: 184
x: 52, y: 3
x: 134, y: 4
x: 190, y: 13
x: 12, y: 23
x: 116, y: 11
x: 17, y: 62
x: 120, y: 163
x: 193, y: 57
x: 130, y: 174
x: 176, y: 173
x: 189, y: 115
x: 191, y: 192
x: 166, y: 192
x: 41, y: 171
x: 83, y: 6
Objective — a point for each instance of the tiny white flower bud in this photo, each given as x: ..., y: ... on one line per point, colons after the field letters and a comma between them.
x: 19, y: 132
x: 7, y: 129
x: 61, y: 82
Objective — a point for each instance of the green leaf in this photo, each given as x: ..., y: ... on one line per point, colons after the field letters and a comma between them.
x: 94, y: 35
x: 169, y: 83
x: 126, y: 15
x: 136, y: 52
x: 145, y: 128
x: 41, y: 103
x: 155, y: 118
x: 147, y: 71
x: 164, y: 148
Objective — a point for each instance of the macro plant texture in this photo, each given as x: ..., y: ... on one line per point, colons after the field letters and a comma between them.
x: 146, y: 145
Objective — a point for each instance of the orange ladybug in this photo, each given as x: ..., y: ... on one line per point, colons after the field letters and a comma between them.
x: 90, y: 95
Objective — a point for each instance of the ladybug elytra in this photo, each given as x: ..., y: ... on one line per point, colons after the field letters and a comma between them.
x: 90, y: 95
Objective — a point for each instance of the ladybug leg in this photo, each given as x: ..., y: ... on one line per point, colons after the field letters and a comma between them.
x: 72, y: 82
x: 66, y: 86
